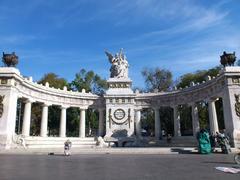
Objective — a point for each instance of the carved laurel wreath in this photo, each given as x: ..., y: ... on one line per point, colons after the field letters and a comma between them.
x: 237, y: 105
x: 111, y: 119
x: 1, y: 105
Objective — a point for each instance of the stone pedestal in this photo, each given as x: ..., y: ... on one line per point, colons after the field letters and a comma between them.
x: 120, y: 111
x: 8, y: 105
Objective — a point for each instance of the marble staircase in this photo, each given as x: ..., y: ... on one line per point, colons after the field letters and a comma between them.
x: 57, y: 142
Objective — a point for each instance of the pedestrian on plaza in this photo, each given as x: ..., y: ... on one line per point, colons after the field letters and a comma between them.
x: 169, y: 138
x: 213, y: 141
x: 67, y: 147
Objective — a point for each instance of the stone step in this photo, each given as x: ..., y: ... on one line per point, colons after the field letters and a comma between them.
x: 47, y: 146
x: 56, y: 142
x: 184, y: 141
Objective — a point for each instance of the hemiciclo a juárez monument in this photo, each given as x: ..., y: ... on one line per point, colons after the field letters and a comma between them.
x: 119, y: 108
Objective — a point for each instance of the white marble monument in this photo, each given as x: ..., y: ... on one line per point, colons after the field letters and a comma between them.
x: 122, y: 106
x: 120, y: 102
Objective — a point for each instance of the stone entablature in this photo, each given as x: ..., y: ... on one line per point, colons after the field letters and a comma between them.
x: 210, y: 89
x: 213, y: 88
x: 45, y: 94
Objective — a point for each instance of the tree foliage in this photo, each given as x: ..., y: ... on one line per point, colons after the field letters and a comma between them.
x: 53, y: 111
x: 53, y: 80
x: 197, y: 76
x: 89, y: 81
x: 160, y: 79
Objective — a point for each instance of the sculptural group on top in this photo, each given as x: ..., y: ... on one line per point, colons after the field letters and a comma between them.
x: 119, y: 68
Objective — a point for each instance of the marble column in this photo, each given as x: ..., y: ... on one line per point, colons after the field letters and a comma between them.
x: 27, y: 118
x: 177, y: 124
x: 44, y: 121
x: 138, y: 123
x: 212, y: 116
x: 195, y: 119
x: 82, y: 123
x: 62, y: 131
x: 158, y: 133
x: 101, y: 122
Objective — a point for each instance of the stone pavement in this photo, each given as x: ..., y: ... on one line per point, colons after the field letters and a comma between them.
x: 116, y: 167
x: 96, y: 150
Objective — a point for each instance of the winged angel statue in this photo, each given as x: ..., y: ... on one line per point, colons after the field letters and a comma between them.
x: 119, y: 68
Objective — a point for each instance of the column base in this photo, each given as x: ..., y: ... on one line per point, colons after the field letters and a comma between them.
x: 5, y: 142
x: 236, y: 139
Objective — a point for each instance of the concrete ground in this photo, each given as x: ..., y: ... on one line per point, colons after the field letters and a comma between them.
x: 98, y: 150
x: 116, y: 166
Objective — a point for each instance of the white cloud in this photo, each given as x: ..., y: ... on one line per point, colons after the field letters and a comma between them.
x: 16, y: 39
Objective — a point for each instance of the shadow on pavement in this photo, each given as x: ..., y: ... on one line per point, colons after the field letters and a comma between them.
x: 54, y: 154
x: 183, y: 151
x: 220, y: 162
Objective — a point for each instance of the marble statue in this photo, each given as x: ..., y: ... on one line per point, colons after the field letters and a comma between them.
x: 119, y: 68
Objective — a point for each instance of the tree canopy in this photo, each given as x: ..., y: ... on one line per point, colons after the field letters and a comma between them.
x: 157, y: 79
x: 197, y: 76
x: 53, y: 80
x: 89, y: 81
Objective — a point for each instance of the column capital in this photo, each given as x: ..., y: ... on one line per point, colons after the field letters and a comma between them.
x: 64, y: 106
x: 138, y: 109
x: 155, y: 108
x: 192, y: 103
x: 101, y: 109
x: 46, y: 104
x: 174, y: 106
x: 211, y: 99
x: 29, y: 100
x: 83, y: 107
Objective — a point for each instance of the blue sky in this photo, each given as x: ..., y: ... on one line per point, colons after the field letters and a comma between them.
x: 63, y: 36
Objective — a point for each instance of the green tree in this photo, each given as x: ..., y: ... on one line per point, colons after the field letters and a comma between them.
x: 147, y: 120
x: 89, y: 81
x: 73, y: 116
x: 166, y: 116
x: 53, y: 111
x: 186, y: 120
x: 36, y: 119
x: 203, y: 115
x: 197, y: 77
x: 53, y: 80
x: 160, y: 79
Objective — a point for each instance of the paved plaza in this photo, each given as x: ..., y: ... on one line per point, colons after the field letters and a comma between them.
x: 115, y: 167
